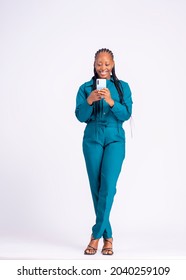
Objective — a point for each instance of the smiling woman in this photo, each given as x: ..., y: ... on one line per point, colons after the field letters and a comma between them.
x: 104, y: 64
x: 104, y: 111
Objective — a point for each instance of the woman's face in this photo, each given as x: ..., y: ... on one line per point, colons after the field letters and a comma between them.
x: 103, y: 65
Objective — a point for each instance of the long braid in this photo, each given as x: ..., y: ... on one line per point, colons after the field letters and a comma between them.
x: 118, y: 85
x: 96, y: 105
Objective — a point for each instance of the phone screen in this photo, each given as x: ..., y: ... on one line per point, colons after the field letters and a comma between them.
x: 100, y: 83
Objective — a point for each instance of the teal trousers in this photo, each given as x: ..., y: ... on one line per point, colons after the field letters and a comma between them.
x: 104, y: 152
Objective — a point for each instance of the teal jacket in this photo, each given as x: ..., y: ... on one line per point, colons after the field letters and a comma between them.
x: 118, y: 113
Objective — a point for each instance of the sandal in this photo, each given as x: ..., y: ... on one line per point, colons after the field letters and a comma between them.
x: 90, y: 250
x: 107, y: 250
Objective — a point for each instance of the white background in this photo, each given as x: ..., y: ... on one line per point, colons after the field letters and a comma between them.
x: 46, y: 52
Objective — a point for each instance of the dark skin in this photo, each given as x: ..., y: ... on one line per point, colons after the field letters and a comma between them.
x: 103, y: 65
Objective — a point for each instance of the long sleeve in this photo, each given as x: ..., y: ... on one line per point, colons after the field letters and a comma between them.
x: 123, y: 111
x: 83, y: 110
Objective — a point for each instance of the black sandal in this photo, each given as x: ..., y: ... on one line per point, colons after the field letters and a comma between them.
x: 106, y: 250
x: 90, y: 250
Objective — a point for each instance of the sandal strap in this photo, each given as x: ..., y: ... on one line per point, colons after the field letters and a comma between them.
x: 91, y: 248
x: 106, y: 240
x: 109, y: 249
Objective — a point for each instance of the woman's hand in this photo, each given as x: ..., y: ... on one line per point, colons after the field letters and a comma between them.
x: 105, y: 93
x: 94, y: 96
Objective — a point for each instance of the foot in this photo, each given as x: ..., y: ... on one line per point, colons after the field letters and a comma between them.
x: 107, y: 246
x: 92, y: 247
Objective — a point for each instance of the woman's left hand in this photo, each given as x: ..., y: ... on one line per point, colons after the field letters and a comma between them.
x: 105, y: 93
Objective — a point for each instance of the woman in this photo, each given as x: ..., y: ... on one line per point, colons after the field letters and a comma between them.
x: 104, y: 111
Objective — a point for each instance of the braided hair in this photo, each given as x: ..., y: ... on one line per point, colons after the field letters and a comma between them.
x: 116, y: 80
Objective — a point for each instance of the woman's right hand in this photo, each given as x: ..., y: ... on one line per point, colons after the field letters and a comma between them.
x: 94, y: 96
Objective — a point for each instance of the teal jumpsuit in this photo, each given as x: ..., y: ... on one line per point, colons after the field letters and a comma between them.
x: 103, y: 148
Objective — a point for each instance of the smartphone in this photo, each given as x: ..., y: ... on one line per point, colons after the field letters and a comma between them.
x: 101, y: 83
